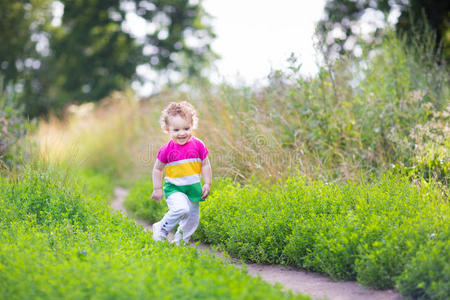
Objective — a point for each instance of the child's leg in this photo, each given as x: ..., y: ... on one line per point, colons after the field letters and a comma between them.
x: 189, y: 224
x: 178, y: 209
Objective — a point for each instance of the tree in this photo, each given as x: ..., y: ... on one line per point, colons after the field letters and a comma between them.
x: 90, y: 50
x: 18, y: 21
x: 338, y: 29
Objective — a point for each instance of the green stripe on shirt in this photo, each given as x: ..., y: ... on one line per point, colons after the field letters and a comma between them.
x: 193, y: 191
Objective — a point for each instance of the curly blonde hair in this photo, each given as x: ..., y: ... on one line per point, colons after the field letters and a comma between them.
x: 183, y: 109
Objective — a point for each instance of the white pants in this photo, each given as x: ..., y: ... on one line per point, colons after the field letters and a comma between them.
x: 183, y: 211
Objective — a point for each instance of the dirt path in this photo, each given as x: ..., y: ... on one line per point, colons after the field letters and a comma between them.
x: 309, y: 283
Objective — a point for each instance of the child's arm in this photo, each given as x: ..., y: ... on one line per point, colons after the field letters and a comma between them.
x: 157, y: 180
x: 207, y: 177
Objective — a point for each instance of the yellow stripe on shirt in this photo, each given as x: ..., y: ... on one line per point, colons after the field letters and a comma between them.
x: 185, y: 169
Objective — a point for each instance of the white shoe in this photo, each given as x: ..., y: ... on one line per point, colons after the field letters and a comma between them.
x: 158, y: 232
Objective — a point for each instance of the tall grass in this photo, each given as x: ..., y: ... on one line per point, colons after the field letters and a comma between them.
x: 353, y: 117
x: 107, y: 138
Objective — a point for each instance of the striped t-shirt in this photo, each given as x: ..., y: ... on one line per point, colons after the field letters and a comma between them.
x: 183, y: 167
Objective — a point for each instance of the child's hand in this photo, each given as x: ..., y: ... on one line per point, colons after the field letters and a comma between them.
x: 157, y: 195
x: 205, y: 191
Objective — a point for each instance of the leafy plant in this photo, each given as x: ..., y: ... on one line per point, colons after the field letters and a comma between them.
x: 367, y: 231
x: 427, y: 275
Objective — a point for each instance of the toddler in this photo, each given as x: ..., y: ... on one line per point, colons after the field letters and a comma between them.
x: 185, y: 158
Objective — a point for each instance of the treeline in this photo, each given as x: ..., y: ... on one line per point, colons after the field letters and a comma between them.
x: 56, y: 52
x: 53, y: 53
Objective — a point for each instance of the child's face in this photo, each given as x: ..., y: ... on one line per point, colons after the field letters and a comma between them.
x: 180, y: 129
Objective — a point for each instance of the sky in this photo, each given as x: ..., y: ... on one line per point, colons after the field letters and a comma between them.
x: 253, y: 37
x: 257, y: 36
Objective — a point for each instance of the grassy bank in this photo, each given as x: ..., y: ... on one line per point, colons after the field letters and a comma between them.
x: 60, y: 240
x: 386, y: 234
x: 369, y: 232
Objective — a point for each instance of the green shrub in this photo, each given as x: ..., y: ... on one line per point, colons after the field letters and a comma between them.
x: 47, y: 198
x: 427, y: 275
x: 381, y: 263
x: 367, y: 231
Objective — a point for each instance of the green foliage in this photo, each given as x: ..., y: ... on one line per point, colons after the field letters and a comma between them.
x: 12, y: 130
x: 93, y: 52
x: 432, y: 143
x: 140, y: 204
x: 435, y: 165
x: 94, y: 184
x: 415, y: 15
x: 369, y: 232
x: 427, y: 275
x: 369, y: 113
x: 18, y: 21
x: 356, y: 116
x: 60, y: 240
x: 13, y: 127
x: 45, y: 200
